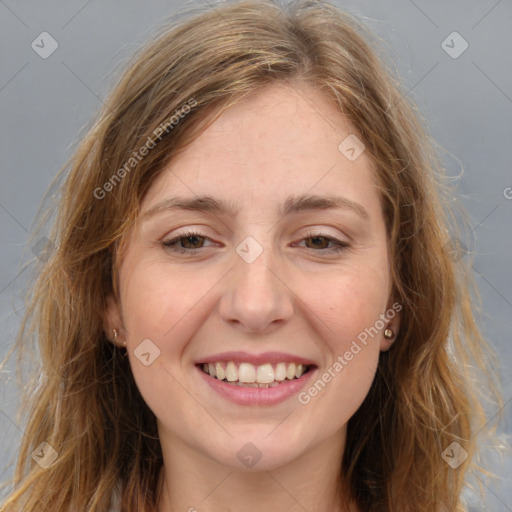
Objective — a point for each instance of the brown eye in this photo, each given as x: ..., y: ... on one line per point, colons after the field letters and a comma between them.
x: 191, y: 242
x: 321, y: 242
x: 186, y: 242
x: 318, y: 242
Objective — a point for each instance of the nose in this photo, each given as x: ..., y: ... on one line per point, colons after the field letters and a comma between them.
x: 257, y: 297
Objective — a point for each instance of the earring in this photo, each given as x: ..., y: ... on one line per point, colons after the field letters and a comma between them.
x: 389, y: 334
x: 115, y: 337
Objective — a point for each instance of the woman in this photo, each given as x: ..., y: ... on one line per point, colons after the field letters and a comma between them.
x: 251, y: 304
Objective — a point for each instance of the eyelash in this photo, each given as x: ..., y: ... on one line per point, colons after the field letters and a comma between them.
x: 340, y: 245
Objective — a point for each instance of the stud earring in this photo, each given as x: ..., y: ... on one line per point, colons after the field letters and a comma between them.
x: 389, y: 334
x: 115, y: 337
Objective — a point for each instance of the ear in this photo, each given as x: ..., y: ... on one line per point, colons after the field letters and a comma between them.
x: 114, y: 320
x: 392, y: 321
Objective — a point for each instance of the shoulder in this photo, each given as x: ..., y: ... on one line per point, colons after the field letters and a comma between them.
x: 116, y: 507
x: 116, y: 502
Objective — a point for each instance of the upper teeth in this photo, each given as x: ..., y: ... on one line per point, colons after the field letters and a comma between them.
x: 247, y: 372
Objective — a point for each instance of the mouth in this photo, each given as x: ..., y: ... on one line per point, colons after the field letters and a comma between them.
x: 247, y: 375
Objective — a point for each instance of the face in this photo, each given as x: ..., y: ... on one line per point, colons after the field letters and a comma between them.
x: 277, y: 280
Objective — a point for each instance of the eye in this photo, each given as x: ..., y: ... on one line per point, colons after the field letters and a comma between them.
x: 320, y: 241
x: 191, y: 241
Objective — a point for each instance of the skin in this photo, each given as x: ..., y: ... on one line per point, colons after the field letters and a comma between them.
x: 295, y: 298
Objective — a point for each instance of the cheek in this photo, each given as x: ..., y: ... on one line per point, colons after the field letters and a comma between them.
x: 347, y: 302
x: 156, y: 300
x: 159, y: 306
x: 346, y: 309
x: 166, y: 307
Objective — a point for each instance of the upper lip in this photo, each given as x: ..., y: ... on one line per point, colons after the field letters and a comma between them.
x: 255, y: 359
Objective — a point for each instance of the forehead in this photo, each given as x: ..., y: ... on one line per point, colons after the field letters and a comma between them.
x: 282, y: 140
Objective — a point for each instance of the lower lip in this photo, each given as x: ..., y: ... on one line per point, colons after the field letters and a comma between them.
x: 257, y: 396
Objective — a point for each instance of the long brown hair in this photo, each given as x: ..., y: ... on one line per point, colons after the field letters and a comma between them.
x: 83, y: 400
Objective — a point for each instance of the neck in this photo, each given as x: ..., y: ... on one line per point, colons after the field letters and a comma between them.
x: 191, y: 481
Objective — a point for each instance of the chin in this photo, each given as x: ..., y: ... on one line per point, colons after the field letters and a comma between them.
x: 259, y: 452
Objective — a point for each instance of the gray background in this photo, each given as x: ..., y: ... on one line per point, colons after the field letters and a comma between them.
x: 467, y: 102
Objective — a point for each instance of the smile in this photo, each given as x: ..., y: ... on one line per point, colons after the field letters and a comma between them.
x: 255, y: 385
x: 256, y: 376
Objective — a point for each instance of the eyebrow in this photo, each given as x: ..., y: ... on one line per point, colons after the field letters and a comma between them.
x: 292, y: 205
